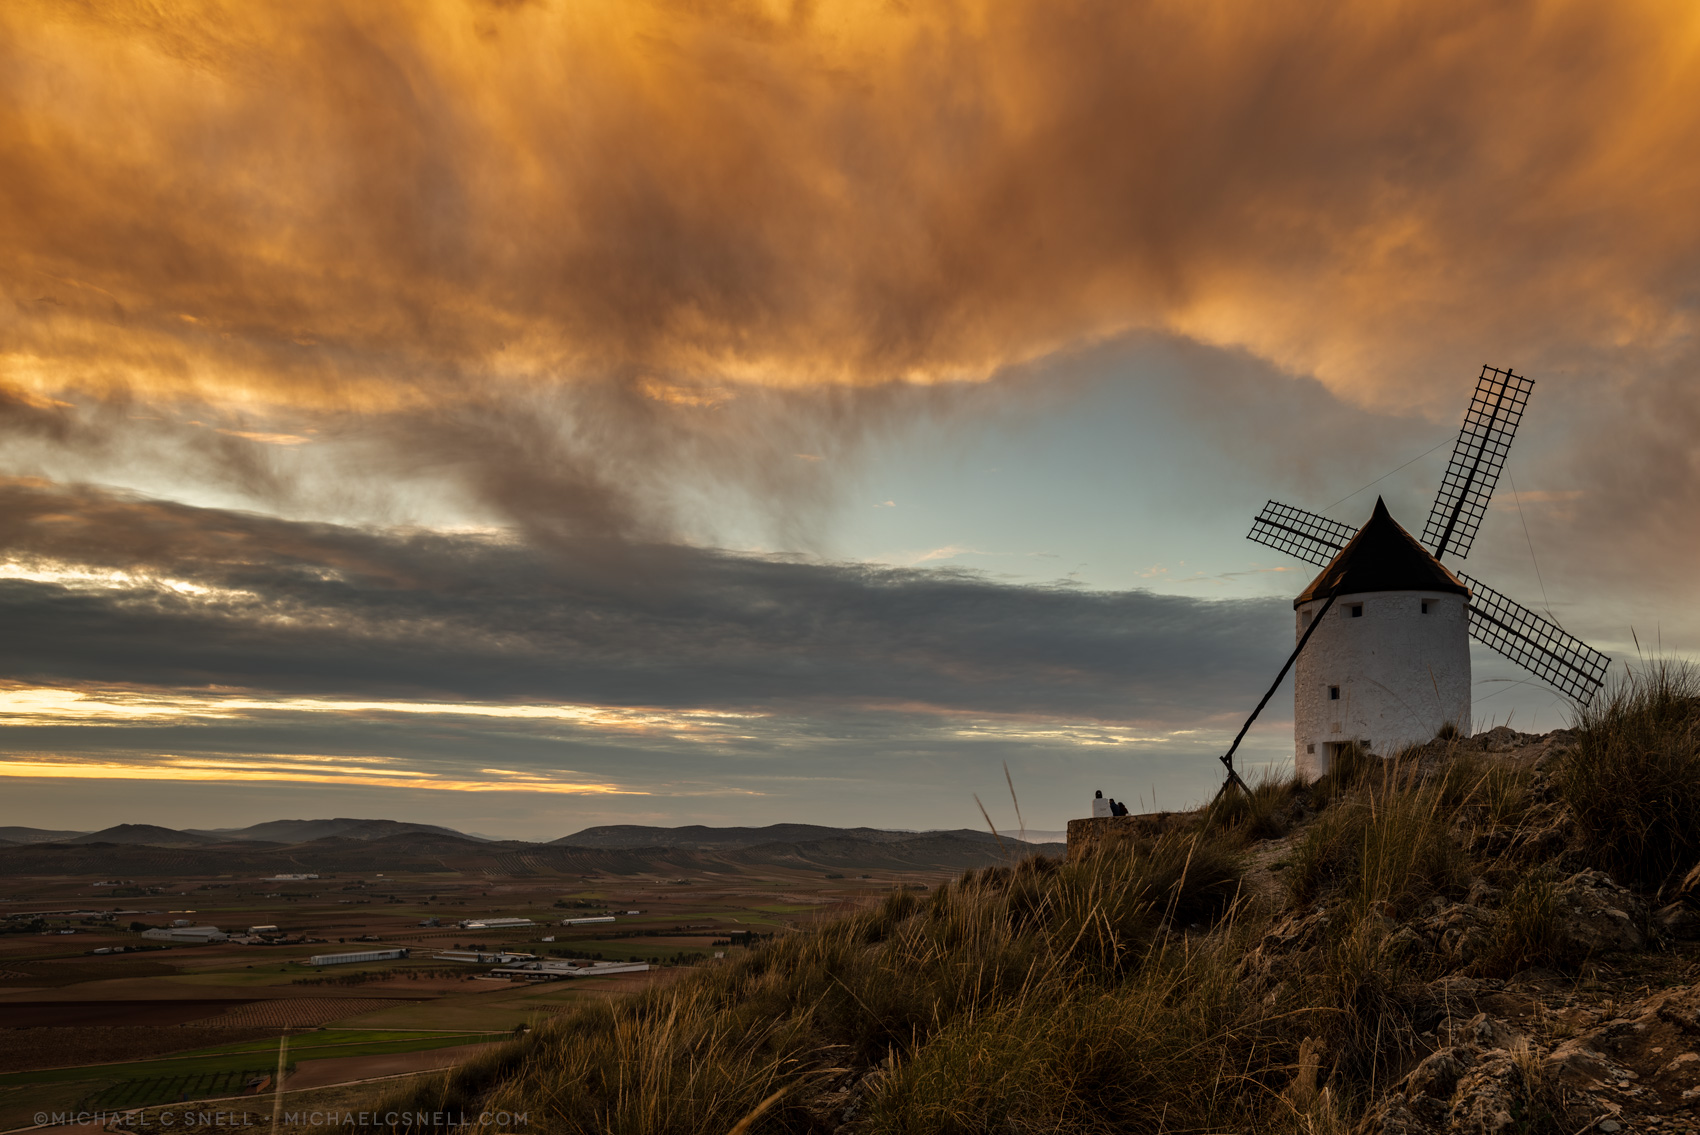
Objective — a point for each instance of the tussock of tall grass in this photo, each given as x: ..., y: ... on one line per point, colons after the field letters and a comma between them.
x: 1385, y: 849
x: 1633, y: 780
x: 1528, y: 931
x: 1351, y: 764
x: 1260, y: 813
x: 1492, y: 794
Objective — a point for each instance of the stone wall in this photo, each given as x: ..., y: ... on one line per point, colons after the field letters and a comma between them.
x: 1095, y: 833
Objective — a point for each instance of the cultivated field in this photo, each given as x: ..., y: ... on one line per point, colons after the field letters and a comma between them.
x: 161, y: 1024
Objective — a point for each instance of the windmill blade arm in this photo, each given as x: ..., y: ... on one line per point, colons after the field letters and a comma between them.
x: 1477, y: 458
x: 1538, y: 645
x: 1298, y: 532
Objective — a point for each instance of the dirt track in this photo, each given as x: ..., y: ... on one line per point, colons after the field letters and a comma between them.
x: 341, y: 1069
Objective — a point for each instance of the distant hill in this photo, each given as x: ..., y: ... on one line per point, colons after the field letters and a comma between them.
x: 33, y: 835
x: 150, y: 835
x: 699, y: 838
x: 302, y: 831
x: 173, y: 853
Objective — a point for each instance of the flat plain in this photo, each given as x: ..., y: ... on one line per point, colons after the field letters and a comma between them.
x: 153, y: 1024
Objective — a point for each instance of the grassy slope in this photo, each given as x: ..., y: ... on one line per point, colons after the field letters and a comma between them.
x: 1147, y: 988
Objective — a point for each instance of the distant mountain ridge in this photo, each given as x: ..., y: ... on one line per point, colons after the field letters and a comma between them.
x: 304, y: 831
x: 272, y: 831
x: 696, y: 837
x: 141, y: 849
x: 151, y: 835
x: 33, y: 835
x: 616, y: 837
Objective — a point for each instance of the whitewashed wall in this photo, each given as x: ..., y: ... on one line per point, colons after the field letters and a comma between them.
x: 1402, y: 674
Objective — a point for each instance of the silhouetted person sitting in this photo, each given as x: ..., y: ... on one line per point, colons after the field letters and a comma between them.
x: 1117, y: 809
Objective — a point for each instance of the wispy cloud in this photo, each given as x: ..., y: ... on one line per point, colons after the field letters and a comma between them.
x: 45, y: 705
x: 287, y: 768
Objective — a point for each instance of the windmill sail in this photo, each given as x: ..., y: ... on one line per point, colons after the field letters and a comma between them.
x: 1540, y: 646
x: 1306, y: 535
x: 1477, y: 458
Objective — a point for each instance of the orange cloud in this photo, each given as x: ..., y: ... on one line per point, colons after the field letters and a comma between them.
x: 547, y: 242
x: 332, y: 203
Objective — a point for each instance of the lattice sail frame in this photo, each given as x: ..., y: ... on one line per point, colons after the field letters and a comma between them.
x: 1302, y: 534
x: 1478, y: 456
x: 1538, y: 645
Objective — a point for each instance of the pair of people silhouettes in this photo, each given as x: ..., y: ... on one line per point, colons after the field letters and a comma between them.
x: 1107, y: 807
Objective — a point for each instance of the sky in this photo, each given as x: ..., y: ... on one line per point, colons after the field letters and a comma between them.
x: 526, y: 416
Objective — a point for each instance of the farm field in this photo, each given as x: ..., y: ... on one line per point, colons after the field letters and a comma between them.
x: 226, y: 1069
x: 158, y: 1023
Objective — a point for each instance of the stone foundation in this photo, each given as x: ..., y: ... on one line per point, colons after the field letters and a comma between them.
x: 1095, y: 833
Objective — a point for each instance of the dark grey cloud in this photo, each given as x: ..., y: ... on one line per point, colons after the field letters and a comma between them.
x: 319, y: 609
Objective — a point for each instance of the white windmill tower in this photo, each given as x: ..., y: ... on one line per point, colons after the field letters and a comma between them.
x: 1391, y: 665
x: 1392, y: 668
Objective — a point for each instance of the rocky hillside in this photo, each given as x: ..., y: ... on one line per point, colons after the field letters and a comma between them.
x: 1495, y: 934
x: 1542, y: 993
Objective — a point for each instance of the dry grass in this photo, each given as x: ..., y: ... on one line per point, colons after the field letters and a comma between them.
x: 1527, y: 932
x: 1134, y: 990
x: 1385, y: 847
x: 1634, y: 780
x: 1089, y: 996
x: 1265, y: 812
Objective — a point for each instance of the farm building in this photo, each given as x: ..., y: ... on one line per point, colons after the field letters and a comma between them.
x: 358, y: 956
x: 186, y: 935
x: 495, y: 923
x: 475, y: 957
x: 553, y: 971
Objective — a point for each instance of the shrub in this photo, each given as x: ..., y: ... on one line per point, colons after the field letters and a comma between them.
x: 1258, y: 813
x: 1166, y: 1050
x: 1633, y: 780
x: 1365, y: 987
x: 1460, y: 778
x: 1350, y: 766
x: 1386, y: 849
x: 1328, y: 853
x: 1528, y: 931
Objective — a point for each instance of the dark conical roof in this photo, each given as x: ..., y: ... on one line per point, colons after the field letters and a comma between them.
x: 1381, y: 557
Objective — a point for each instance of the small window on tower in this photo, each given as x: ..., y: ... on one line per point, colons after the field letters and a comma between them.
x: 1310, y: 748
x: 1357, y: 610
x: 1333, y: 693
x: 1425, y: 606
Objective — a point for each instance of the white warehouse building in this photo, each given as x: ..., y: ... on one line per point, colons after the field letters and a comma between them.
x: 186, y: 935
x: 1389, y: 666
x: 357, y: 956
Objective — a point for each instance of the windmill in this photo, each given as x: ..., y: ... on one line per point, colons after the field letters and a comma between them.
x: 1393, y: 666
